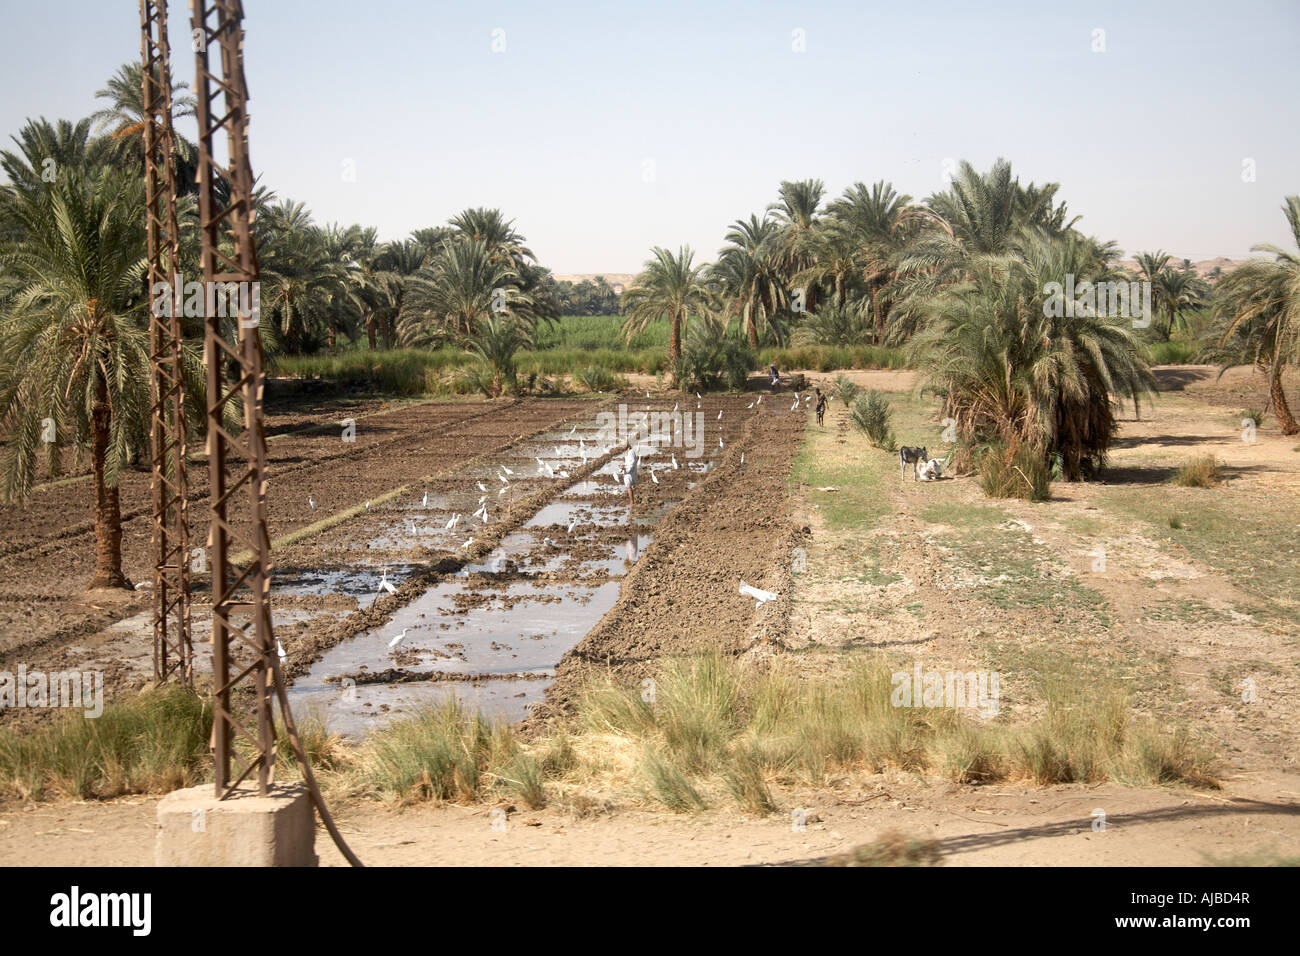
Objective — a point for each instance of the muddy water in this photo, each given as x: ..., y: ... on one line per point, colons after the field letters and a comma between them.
x: 506, y: 619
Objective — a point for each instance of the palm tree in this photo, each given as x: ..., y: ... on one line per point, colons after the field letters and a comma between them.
x: 393, y: 266
x: 747, y: 270
x: 871, y: 218
x: 75, y: 347
x: 832, y: 254
x: 1259, y: 302
x: 668, y: 287
x: 980, y: 215
x: 496, y: 232
x: 456, y: 290
x: 796, y: 213
x: 495, y: 340
x: 45, y: 149
x: 1180, y: 291
x: 123, y: 120
x: 1016, y: 372
x: 301, y: 281
x: 1150, y: 267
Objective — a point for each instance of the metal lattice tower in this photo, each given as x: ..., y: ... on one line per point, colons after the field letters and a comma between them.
x: 244, y: 649
x: 243, y: 645
x: 173, y: 652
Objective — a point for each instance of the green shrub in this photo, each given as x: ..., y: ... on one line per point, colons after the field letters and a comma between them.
x: 597, y: 378
x: 846, y: 390
x: 1014, y: 471
x: 870, y: 414
x: 738, y: 360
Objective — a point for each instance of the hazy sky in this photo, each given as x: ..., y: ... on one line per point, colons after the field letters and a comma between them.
x: 605, y: 128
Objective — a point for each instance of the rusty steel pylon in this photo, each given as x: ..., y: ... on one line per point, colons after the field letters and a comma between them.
x: 244, y: 649
x: 173, y: 652
x: 243, y: 645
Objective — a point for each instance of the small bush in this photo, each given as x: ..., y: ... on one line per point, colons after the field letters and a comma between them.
x: 597, y: 378
x: 1200, y: 472
x: 1172, y: 353
x: 871, y: 415
x: 438, y: 754
x: 1014, y: 471
x: 846, y: 390
x: 743, y: 776
x: 1256, y: 415
x: 738, y: 360
x: 525, y: 778
x: 476, y: 379
x: 709, y: 359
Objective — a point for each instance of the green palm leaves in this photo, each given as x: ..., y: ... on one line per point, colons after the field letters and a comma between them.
x: 669, y: 287
x: 1259, y: 308
x: 1016, y: 373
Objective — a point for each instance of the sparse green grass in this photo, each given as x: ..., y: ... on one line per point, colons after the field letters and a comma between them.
x: 1267, y: 857
x: 1253, y: 546
x: 153, y: 743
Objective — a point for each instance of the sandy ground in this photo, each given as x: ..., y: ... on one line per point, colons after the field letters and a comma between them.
x: 992, y: 826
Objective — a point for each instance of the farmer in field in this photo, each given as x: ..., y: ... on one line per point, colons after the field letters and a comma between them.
x: 629, y: 471
x: 776, y: 376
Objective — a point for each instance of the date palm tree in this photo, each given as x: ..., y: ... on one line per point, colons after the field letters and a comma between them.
x: 871, y: 217
x: 1015, y: 372
x: 747, y: 272
x: 1259, y: 306
x: 796, y: 213
x: 74, y: 347
x: 301, y: 281
x: 669, y: 287
x: 1180, y: 291
x: 394, y: 265
x: 457, y: 289
x: 123, y: 122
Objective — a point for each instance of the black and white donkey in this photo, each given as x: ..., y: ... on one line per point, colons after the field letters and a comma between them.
x: 916, y: 457
x: 924, y: 468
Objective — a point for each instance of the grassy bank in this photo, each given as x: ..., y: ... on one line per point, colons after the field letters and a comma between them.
x: 714, y: 732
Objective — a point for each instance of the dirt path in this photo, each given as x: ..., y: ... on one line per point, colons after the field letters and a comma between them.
x: 999, y: 826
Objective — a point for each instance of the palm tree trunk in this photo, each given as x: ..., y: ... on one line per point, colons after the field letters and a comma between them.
x: 370, y: 330
x: 675, y: 344
x: 877, y: 314
x: 108, y: 509
x: 1280, y: 407
x: 751, y: 327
